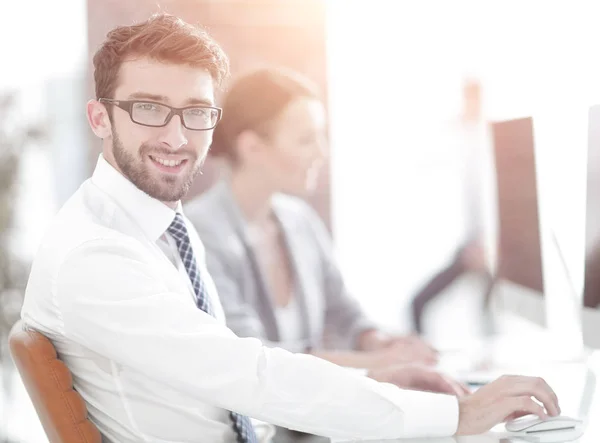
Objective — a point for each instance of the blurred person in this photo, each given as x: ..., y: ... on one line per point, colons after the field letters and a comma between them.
x: 268, y: 252
x: 470, y: 256
x: 119, y: 284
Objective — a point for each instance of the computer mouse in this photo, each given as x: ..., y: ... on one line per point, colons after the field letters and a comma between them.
x: 532, y: 423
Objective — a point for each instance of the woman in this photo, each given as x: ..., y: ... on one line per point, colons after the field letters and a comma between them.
x: 267, y: 251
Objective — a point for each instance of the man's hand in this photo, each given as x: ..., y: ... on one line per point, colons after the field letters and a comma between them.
x: 504, y: 399
x: 419, y: 378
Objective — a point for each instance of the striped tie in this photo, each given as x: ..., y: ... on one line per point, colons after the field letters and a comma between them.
x: 241, y: 424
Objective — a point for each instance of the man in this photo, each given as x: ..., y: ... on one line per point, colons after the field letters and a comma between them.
x: 120, y: 286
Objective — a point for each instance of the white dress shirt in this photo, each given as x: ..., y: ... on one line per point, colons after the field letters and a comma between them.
x: 107, y: 287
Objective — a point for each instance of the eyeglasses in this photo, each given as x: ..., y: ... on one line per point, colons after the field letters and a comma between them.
x: 145, y: 113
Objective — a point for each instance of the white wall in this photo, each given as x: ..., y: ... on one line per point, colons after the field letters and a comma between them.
x: 43, y: 47
x: 543, y: 64
x: 390, y: 101
x: 405, y: 60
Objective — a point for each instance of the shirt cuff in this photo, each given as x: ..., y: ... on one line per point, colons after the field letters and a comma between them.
x: 264, y: 431
x: 425, y: 414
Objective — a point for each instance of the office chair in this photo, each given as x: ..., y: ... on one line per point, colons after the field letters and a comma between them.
x: 61, y: 410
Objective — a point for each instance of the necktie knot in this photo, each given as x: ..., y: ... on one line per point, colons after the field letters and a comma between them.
x: 177, y: 229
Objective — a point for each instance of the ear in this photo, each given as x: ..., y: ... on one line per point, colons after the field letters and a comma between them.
x: 97, y: 116
x: 248, y: 144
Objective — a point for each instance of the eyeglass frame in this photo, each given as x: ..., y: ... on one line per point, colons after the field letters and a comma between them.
x: 127, y: 105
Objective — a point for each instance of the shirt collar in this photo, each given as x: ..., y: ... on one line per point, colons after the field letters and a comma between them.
x: 153, y: 216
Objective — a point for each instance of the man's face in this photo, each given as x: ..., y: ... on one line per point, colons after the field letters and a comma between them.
x: 161, y: 161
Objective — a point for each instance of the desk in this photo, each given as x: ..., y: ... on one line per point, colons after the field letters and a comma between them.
x: 583, y: 402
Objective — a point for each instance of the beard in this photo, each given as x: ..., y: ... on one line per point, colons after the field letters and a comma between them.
x: 163, y: 187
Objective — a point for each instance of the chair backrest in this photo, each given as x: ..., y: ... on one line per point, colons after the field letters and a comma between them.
x: 61, y: 409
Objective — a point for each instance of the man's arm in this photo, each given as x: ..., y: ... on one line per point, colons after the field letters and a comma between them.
x: 126, y: 313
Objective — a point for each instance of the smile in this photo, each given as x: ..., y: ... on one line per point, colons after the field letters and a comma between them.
x: 165, y: 162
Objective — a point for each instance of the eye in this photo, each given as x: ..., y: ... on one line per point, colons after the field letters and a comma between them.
x: 200, y: 112
x: 147, y: 107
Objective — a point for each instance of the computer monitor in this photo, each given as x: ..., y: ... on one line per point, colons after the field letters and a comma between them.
x: 519, y: 276
x: 591, y: 289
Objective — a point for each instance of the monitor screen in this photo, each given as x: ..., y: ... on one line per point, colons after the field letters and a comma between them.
x: 591, y: 292
x: 519, y: 258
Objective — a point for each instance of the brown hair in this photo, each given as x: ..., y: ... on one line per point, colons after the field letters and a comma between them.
x: 254, y: 101
x: 162, y: 37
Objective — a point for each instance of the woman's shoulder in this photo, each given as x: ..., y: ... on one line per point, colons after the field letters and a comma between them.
x: 300, y: 215
x: 210, y: 216
x: 208, y: 210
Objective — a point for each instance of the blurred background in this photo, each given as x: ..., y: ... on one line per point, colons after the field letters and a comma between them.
x: 416, y: 176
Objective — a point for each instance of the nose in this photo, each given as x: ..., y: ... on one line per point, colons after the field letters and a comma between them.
x: 173, y: 134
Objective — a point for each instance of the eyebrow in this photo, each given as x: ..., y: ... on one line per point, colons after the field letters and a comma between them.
x: 165, y: 99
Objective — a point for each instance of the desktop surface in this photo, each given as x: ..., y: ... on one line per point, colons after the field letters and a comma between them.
x: 579, y: 396
x: 557, y: 437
